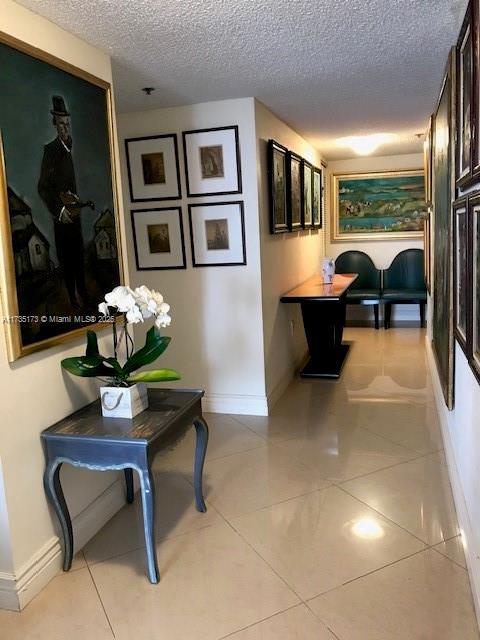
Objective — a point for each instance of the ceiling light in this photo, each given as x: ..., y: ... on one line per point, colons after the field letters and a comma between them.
x: 364, y: 145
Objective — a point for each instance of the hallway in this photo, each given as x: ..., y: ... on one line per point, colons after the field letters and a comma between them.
x: 332, y: 518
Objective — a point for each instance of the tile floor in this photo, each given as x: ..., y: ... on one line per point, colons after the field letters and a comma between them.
x: 331, y: 519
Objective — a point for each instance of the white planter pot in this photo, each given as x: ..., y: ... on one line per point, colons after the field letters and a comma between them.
x: 123, y: 402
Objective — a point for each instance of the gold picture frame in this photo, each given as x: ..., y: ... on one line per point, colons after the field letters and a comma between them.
x: 10, y: 308
x: 395, y: 218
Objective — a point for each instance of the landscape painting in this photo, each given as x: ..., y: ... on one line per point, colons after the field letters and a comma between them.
x: 379, y: 205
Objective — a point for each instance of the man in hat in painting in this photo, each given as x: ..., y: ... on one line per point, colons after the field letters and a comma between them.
x: 57, y: 188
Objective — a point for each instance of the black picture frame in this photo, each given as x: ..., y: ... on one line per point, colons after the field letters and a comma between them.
x: 173, y: 195
x: 475, y: 22
x: 238, y: 171
x: 464, y: 82
x: 317, y: 216
x: 461, y: 273
x: 191, y: 213
x: 294, y: 191
x: 274, y: 151
x: 307, y: 191
x: 178, y: 210
x: 473, y: 349
x: 443, y: 190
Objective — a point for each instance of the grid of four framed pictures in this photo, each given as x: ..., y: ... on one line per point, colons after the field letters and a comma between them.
x: 212, y: 167
x: 295, y: 190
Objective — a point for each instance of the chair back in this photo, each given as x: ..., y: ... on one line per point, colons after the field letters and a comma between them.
x: 406, y: 271
x: 359, y: 262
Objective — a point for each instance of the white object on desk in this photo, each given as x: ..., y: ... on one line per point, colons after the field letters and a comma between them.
x: 327, y: 270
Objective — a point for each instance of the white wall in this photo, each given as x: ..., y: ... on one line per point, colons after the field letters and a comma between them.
x: 216, y: 330
x: 36, y: 393
x: 287, y: 260
x: 382, y: 252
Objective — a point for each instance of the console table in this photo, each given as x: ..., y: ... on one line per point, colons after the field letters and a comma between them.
x: 323, y: 310
x: 86, y: 439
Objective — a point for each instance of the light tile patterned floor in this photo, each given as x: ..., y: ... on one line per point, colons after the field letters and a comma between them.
x: 331, y: 519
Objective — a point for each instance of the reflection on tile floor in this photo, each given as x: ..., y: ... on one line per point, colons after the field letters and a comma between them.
x: 330, y: 519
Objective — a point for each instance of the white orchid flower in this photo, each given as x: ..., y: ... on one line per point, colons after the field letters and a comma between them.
x: 103, y: 309
x: 134, y: 315
x: 163, y: 320
x: 122, y: 298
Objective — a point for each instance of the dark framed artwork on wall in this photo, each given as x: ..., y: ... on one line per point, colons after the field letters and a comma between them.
x: 474, y: 293
x: 277, y: 186
x: 307, y: 188
x: 294, y: 191
x: 465, y: 101
x: 158, y: 238
x: 427, y: 161
x: 217, y: 234
x: 59, y: 231
x: 317, y: 198
x: 153, y: 168
x: 212, y: 161
x: 443, y: 168
x: 461, y: 265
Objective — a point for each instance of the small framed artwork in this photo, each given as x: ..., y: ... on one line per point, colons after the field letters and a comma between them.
x: 158, y: 238
x: 427, y: 249
x: 212, y: 161
x: 460, y: 271
x: 153, y: 168
x: 317, y: 204
x: 294, y: 191
x: 464, y: 93
x: 474, y: 269
x: 217, y: 234
x: 307, y: 187
x: 277, y: 175
x: 427, y: 160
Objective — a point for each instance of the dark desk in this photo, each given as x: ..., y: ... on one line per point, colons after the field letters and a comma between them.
x: 86, y: 439
x: 323, y: 311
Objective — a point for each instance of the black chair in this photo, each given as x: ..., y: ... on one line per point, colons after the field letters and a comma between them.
x: 366, y: 289
x: 404, y: 283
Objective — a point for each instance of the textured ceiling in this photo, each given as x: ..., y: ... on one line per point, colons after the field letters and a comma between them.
x: 329, y: 68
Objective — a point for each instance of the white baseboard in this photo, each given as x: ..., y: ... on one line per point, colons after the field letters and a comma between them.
x: 244, y: 405
x: 17, y: 589
x: 472, y: 552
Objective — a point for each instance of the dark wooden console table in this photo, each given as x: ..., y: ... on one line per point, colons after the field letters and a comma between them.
x: 323, y: 310
x: 86, y: 439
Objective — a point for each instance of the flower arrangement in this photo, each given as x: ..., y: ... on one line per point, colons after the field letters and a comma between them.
x: 137, y: 305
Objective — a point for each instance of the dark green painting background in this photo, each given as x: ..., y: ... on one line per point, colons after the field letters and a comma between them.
x: 26, y: 89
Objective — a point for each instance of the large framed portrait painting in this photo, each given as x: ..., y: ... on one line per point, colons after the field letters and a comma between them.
x: 58, y: 214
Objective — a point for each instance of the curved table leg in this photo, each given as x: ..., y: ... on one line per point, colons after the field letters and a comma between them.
x: 53, y: 489
x: 148, y: 502
x: 201, y: 428
x: 129, y: 484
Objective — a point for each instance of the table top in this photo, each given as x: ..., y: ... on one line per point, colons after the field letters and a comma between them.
x: 165, y: 407
x: 315, y: 289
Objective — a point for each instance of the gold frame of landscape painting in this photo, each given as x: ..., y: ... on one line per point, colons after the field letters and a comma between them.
x: 378, y: 205
x: 28, y: 259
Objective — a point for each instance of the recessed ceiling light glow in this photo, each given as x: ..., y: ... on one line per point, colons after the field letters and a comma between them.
x: 368, y: 529
x: 364, y: 145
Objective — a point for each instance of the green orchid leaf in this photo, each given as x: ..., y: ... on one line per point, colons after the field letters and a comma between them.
x: 155, y: 345
x: 92, y: 344
x: 155, y: 375
x: 113, y: 362
x: 86, y: 366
